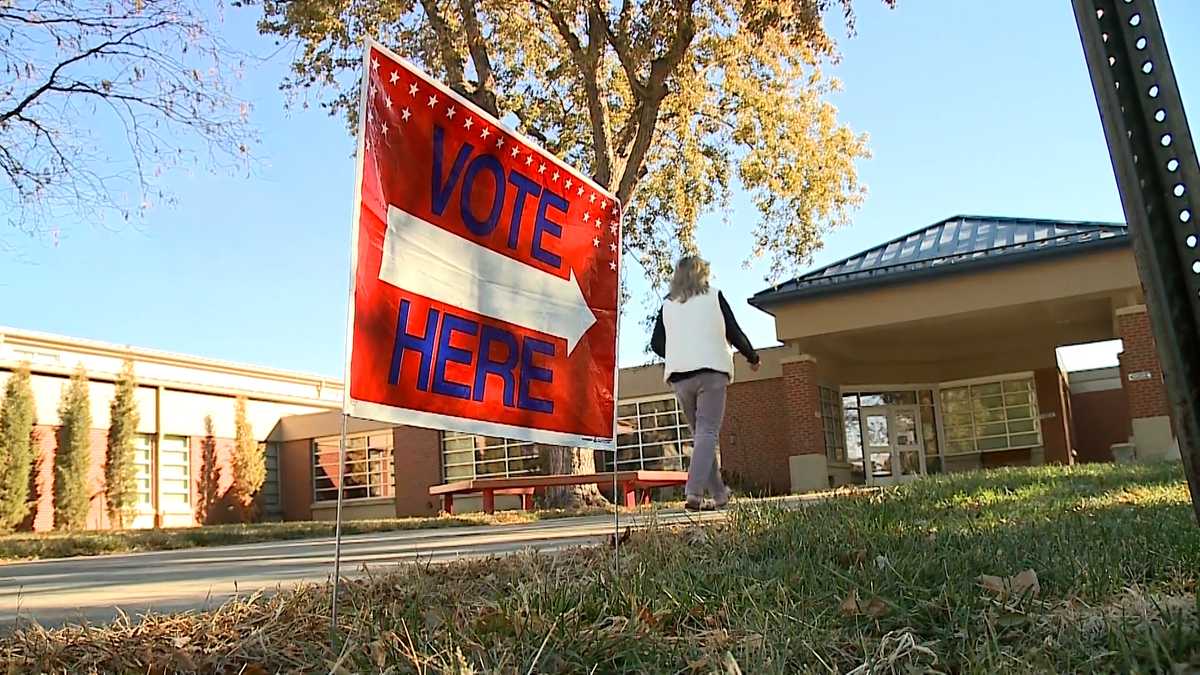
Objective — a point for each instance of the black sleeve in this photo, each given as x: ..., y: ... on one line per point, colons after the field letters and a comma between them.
x: 658, y: 341
x: 733, y: 332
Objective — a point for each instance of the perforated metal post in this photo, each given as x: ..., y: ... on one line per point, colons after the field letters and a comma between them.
x: 1157, y: 173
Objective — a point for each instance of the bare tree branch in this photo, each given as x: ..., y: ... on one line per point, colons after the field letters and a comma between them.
x: 484, y: 94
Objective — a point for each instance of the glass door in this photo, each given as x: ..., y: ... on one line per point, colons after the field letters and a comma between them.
x: 892, y: 444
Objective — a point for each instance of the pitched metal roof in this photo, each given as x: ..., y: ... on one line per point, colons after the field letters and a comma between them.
x: 960, y: 243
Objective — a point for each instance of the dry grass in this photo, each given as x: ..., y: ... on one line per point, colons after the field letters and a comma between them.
x: 1115, y: 550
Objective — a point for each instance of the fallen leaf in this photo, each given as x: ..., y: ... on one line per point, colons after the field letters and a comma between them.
x: 647, y: 617
x: 853, y: 558
x: 1023, y: 584
x: 877, y: 608
x: 850, y: 606
x: 379, y: 653
x: 433, y: 619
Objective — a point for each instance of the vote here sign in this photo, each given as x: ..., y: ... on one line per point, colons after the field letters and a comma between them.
x: 485, y: 272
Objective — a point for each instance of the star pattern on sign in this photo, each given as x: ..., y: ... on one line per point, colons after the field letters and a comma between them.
x: 569, y: 183
x: 383, y: 129
x: 395, y: 76
x: 406, y: 114
x: 587, y: 216
x: 612, y: 265
x: 500, y: 141
x: 592, y: 198
x: 515, y: 151
x: 485, y: 132
x: 374, y: 63
x: 528, y: 160
x: 613, y: 247
x: 613, y: 228
x: 451, y: 112
x: 387, y: 101
x: 541, y: 168
x: 412, y: 89
x: 579, y: 192
x: 468, y: 123
x: 433, y: 100
x: 555, y: 176
x: 596, y: 242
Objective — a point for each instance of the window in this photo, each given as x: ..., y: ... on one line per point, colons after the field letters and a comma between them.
x: 990, y: 416
x: 466, y: 456
x: 143, y: 446
x: 270, y: 487
x: 835, y: 429
x: 368, y: 468
x: 651, y: 435
x: 174, y: 479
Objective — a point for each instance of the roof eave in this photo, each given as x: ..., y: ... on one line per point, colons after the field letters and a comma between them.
x: 773, y: 298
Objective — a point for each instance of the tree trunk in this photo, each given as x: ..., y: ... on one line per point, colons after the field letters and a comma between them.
x: 563, y: 460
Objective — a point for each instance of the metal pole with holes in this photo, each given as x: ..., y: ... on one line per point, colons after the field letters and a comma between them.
x: 1158, y: 177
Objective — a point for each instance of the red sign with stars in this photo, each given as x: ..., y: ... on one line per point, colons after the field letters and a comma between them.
x: 485, y: 273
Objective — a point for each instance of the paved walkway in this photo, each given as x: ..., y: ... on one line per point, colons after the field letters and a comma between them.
x: 94, y: 588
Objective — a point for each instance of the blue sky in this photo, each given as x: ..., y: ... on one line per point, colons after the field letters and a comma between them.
x: 972, y: 107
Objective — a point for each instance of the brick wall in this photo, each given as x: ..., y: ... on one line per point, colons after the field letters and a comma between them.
x: 295, y: 479
x: 754, y: 437
x: 418, y: 462
x: 212, y: 476
x: 41, y: 516
x: 1147, y: 397
x: 803, y: 402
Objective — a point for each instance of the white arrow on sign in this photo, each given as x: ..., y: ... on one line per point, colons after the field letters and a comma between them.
x: 425, y: 259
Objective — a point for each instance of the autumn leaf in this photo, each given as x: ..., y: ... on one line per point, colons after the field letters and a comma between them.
x: 850, y: 606
x: 1023, y: 584
x: 877, y: 608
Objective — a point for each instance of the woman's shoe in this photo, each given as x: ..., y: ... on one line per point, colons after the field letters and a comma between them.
x: 694, y: 503
x: 723, y: 501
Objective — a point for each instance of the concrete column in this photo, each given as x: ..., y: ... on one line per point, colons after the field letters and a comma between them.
x: 1142, y: 379
x: 804, y: 452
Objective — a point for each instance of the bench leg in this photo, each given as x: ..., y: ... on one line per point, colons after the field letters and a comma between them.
x: 630, y: 495
x: 527, y: 501
x: 448, y: 504
x: 489, y: 502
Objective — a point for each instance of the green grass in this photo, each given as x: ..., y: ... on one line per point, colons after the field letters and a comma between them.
x: 44, y: 545
x: 1115, y: 548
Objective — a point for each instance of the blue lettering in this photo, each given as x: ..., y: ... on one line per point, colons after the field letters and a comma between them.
x: 441, y: 191
x: 482, y: 228
x: 531, y: 372
x: 543, y: 225
x: 489, y: 366
x: 447, y: 353
x: 421, y: 344
x: 525, y: 186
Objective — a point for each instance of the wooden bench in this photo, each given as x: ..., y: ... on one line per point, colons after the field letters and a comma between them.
x: 628, y: 482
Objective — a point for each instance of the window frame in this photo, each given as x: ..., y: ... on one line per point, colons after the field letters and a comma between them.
x: 514, y: 451
x: 384, y: 469
x: 1003, y: 381
x: 683, y: 441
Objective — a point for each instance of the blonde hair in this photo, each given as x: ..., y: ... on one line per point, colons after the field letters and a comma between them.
x: 690, y: 278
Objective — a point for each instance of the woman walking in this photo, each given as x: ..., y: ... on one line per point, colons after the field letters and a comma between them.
x: 693, y: 333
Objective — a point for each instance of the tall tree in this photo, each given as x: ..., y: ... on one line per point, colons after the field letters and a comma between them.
x: 100, y: 97
x: 670, y: 104
x: 120, y: 466
x: 72, y: 458
x: 249, y: 464
x: 16, y: 447
x: 210, y: 474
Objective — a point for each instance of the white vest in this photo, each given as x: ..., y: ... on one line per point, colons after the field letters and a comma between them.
x: 696, y: 335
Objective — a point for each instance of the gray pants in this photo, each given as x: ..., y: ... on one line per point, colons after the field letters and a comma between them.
x: 702, y: 399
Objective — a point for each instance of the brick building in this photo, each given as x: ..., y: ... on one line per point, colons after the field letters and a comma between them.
x: 933, y: 352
